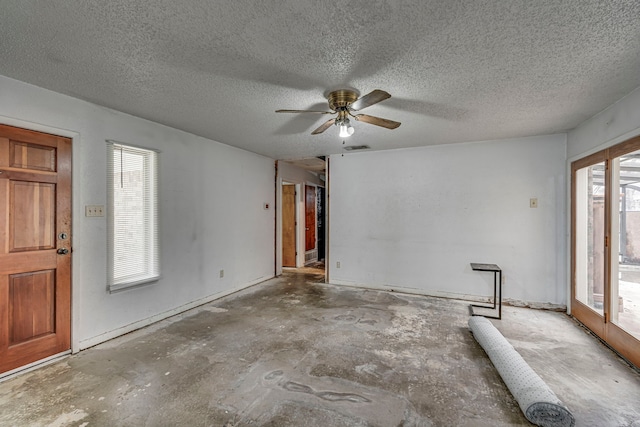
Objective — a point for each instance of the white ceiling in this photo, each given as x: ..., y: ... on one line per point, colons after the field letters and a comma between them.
x: 457, y: 70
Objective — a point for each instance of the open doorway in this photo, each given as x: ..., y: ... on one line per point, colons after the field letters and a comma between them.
x: 301, y: 241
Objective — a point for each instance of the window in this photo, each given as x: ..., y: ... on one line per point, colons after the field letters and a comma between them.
x: 133, y: 216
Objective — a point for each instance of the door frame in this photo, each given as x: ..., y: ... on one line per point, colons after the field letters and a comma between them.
x: 76, y: 212
x: 280, y: 181
x: 621, y: 341
x: 300, y: 183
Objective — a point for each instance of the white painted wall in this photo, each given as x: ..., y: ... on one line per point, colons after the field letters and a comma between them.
x: 617, y: 123
x: 414, y: 219
x: 211, y: 212
x: 296, y: 175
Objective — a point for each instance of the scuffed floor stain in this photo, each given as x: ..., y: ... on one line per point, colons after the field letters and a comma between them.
x: 254, y: 396
x: 69, y: 418
x: 292, y: 352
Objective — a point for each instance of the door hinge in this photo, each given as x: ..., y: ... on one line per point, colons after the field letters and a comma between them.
x: 606, y: 241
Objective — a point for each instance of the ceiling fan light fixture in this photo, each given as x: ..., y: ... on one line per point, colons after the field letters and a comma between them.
x: 346, y: 130
x: 342, y: 102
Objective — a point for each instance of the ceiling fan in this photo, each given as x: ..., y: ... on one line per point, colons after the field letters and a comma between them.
x: 342, y: 102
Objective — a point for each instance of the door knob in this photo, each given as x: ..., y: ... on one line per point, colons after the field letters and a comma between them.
x: 63, y: 251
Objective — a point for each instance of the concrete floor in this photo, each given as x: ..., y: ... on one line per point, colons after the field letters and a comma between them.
x: 289, y: 352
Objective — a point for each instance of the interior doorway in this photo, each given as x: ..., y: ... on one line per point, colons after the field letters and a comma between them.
x: 301, y: 221
x: 35, y: 246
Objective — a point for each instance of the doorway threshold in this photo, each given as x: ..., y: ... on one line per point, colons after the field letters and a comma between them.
x: 32, y: 366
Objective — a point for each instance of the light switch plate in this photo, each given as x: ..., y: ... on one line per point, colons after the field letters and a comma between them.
x: 94, y: 210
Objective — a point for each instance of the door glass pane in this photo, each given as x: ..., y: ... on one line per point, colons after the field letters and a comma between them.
x: 589, y: 235
x: 625, y: 271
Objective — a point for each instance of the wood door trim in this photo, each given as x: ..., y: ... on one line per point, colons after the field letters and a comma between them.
x: 590, y: 318
x: 625, y: 147
x: 591, y: 159
x: 625, y: 343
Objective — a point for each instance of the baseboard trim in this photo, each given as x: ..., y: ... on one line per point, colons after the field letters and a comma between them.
x: 106, y: 336
x: 452, y: 295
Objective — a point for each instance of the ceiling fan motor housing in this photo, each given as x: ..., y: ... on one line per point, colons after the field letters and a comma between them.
x: 341, y: 99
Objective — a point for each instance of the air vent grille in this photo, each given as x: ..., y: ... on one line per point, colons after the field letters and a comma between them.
x: 356, y: 147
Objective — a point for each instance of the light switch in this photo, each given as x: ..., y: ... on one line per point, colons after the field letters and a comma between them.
x: 94, y: 210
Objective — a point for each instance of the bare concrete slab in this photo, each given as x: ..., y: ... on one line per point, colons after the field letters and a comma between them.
x: 290, y: 352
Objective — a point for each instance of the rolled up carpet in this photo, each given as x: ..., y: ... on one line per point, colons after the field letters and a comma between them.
x: 538, y: 403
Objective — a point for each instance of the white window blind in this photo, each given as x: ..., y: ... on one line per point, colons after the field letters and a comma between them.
x: 133, y: 216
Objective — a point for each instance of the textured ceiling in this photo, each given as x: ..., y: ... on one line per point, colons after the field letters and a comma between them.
x: 457, y: 70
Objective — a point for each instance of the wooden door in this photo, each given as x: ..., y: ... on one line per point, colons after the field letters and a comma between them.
x: 320, y: 215
x: 288, y: 225
x: 310, y: 217
x: 35, y: 246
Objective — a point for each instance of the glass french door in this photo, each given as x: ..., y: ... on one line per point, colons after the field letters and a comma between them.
x: 605, y: 250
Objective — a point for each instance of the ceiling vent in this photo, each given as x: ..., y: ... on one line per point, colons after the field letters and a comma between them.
x: 356, y: 147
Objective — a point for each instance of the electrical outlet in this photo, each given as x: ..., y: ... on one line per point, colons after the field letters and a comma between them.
x: 221, y: 274
x: 533, y: 202
x: 338, y: 264
x: 94, y: 210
